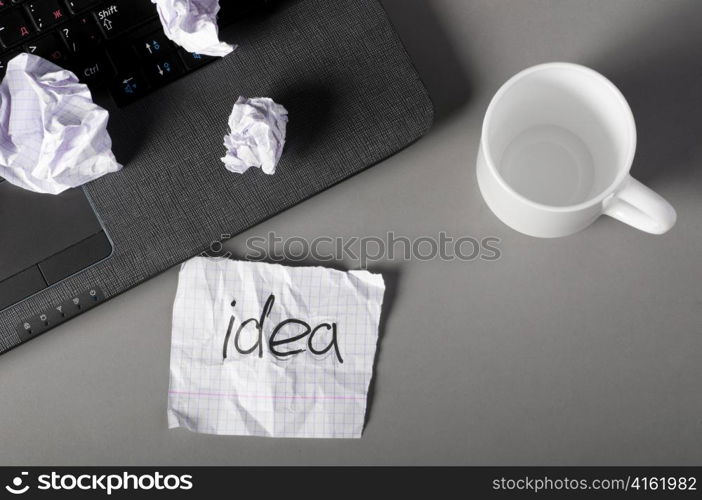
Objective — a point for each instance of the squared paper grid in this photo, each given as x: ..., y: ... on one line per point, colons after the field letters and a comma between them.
x: 303, y: 396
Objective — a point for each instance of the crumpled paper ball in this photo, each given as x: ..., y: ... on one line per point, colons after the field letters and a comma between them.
x: 52, y: 135
x: 192, y: 24
x: 257, y: 136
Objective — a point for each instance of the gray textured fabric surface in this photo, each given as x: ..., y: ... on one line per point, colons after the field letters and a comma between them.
x: 354, y: 99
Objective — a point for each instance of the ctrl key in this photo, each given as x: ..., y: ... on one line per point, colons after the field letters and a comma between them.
x: 94, y: 69
x: 127, y: 88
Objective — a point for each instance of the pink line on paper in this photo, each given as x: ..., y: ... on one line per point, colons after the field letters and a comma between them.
x: 257, y: 396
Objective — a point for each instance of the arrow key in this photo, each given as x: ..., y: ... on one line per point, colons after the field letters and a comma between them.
x: 154, y: 45
x: 127, y: 88
x: 163, y: 70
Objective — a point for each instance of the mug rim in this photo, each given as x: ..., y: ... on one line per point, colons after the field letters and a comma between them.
x: 620, y: 177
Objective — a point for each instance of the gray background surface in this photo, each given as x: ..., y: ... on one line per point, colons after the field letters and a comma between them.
x: 583, y: 350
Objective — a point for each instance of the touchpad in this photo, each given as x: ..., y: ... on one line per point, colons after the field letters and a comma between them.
x: 45, y: 236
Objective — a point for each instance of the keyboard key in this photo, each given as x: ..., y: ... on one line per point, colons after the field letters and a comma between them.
x: 50, y: 47
x: 82, y: 34
x: 163, y: 70
x: 93, y: 69
x: 14, y: 27
x: 153, y: 45
x: 46, y: 13
x: 128, y: 87
x: 121, y: 15
x: 78, y: 5
x: 194, y: 60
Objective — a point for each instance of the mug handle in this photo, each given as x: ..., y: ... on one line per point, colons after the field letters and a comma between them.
x: 641, y: 207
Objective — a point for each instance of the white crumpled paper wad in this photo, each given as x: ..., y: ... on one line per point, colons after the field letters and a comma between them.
x: 257, y: 136
x: 267, y: 350
x: 192, y: 24
x: 52, y: 135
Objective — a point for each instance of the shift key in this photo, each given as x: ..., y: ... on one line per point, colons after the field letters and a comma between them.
x: 121, y: 15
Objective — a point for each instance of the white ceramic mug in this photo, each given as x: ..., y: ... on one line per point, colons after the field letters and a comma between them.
x: 557, y: 146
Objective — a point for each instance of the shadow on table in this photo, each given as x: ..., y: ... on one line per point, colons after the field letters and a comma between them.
x: 660, y: 73
x: 432, y: 53
x: 392, y: 281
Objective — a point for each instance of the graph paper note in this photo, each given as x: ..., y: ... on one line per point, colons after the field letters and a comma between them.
x: 266, y: 350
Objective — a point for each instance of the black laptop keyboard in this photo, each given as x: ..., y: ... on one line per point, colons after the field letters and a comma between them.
x: 117, y: 44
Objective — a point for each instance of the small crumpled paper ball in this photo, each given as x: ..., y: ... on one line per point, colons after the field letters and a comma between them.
x: 192, y: 24
x: 52, y: 136
x: 257, y: 136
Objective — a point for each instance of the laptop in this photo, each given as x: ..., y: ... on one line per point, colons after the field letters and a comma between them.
x: 354, y: 99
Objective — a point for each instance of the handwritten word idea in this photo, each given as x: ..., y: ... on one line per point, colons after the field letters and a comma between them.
x: 287, y: 339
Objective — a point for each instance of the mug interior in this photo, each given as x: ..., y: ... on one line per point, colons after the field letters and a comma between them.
x: 560, y: 134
